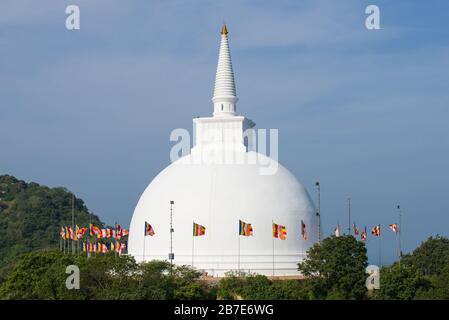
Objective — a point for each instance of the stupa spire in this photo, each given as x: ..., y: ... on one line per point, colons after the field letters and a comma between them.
x: 225, y: 97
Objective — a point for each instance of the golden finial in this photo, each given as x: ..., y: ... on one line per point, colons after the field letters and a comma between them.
x: 224, y: 30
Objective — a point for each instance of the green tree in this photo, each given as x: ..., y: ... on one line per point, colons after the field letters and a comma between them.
x: 431, y: 257
x: 31, y: 216
x: 336, y: 267
x: 40, y: 275
x: 400, y: 282
x: 230, y: 286
x: 439, y: 286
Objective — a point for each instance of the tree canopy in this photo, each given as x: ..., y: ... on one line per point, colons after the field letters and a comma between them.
x: 336, y: 267
x: 42, y: 275
x: 31, y: 216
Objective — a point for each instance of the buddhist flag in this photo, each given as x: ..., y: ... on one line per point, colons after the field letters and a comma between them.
x: 393, y: 227
x: 94, y: 230
x: 303, y: 230
x: 337, y: 230
x: 356, y: 230
x: 84, y: 247
x: 110, y: 233
x: 149, y: 231
x: 125, y: 232
x: 376, y: 230
x: 62, y: 233
x: 102, y: 234
x: 122, y: 248
x: 198, y: 230
x: 245, y: 229
x: 363, y: 235
x: 279, y: 231
x: 81, y: 232
x: 118, y: 231
x: 112, y: 246
x: 68, y: 232
x: 76, y: 231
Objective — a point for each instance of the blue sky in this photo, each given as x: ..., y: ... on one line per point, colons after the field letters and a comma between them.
x: 366, y: 112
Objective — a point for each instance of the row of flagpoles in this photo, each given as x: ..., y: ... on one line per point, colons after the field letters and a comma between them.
x: 375, y: 231
x: 278, y: 232
x: 245, y: 229
x: 93, y: 234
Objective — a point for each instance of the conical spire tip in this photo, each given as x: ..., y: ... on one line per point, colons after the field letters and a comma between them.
x: 224, y: 30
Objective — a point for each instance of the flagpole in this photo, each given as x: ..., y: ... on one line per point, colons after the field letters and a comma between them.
x: 398, y: 247
x: 380, y: 252
x: 399, y: 232
x: 302, y: 238
x: 317, y: 184
x: 272, y: 235
x: 349, y: 216
x: 143, y: 253
x: 113, y: 239
x: 238, y: 265
x: 193, y: 240
x: 73, y: 221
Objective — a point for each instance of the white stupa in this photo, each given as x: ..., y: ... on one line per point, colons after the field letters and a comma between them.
x: 219, y: 183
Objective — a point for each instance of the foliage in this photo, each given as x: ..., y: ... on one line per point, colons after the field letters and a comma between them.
x: 439, y: 286
x: 423, y: 274
x: 431, y: 256
x: 42, y: 275
x: 259, y: 287
x: 400, y: 282
x: 337, y: 268
x: 31, y: 216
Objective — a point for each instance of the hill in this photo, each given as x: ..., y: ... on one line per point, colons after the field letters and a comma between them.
x: 31, y: 216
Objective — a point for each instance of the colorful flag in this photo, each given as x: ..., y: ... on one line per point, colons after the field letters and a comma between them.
x: 279, y: 231
x: 376, y: 230
x: 198, y: 230
x: 149, y: 231
x: 92, y: 247
x: 84, y: 247
x: 62, y: 233
x: 245, y: 229
x: 118, y: 231
x: 363, y: 235
x: 393, y: 227
x: 125, y: 232
x: 110, y: 233
x: 102, y: 234
x: 94, y: 230
x: 337, y: 230
x: 121, y: 248
x: 356, y: 230
x: 68, y: 232
x: 76, y: 231
x: 112, y: 246
x: 303, y: 230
